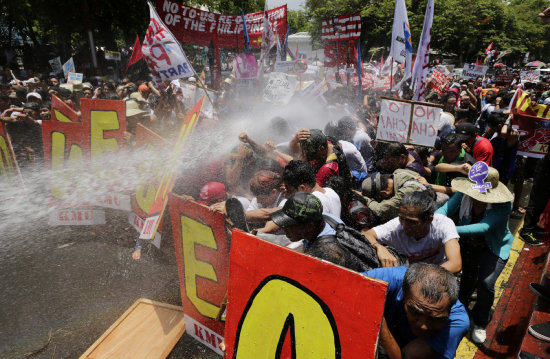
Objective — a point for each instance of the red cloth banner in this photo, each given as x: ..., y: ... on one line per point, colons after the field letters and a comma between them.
x: 195, y: 26
x: 136, y: 54
x: 532, y: 121
x: 278, y: 309
x: 345, y: 27
x: 439, y: 82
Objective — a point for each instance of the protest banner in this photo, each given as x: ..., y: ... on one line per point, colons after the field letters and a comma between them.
x: 112, y: 55
x: 285, y: 66
x: 162, y: 52
x: 83, y: 151
x: 9, y: 170
x: 74, y: 76
x: 280, y: 87
x: 151, y: 147
x: 68, y: 67
x: 345, y: 27
x: 56, y: 65
x: 439, y: 82
x: 473, y: 71
x: 529, y: 76
x: 154, y: 215
x: 532, y: 121
x: 408, y: 122
x: 199, y: 27
x: 278, y: 309
x: 246, y: 66
x: 202, y: 255
x: 381, y: 83
x: 504, y: 80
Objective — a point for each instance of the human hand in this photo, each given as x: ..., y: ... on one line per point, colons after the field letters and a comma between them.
x: 302, y: 135
x: 422, y: 180
x: 270, y: 146
x: 243, y: 137
x: 386, y: 258
x: 465, y: 168
x: 218, y: 207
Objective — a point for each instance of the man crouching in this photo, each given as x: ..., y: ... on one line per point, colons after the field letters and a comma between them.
x: 423, y: 317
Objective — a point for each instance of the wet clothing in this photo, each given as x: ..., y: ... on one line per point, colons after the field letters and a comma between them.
x: 444, y: 179
x: 482, y: 150
x: 444, y: 342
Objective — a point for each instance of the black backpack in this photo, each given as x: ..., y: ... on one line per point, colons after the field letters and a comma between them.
x: 360, y: 255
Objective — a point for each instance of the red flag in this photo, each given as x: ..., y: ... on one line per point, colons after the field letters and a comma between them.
x: 489, y: 48
x: 381, y: 64
x: 477, y: 61
x: 136, y: 53
x: 297, y: 52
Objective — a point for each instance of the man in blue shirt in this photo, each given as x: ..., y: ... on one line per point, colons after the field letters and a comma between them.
x: 422, y: 317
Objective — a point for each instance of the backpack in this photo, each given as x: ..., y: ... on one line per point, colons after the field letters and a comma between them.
x: 361, y: 255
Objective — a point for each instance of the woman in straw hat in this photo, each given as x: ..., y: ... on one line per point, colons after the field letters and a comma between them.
x: 483, y: 205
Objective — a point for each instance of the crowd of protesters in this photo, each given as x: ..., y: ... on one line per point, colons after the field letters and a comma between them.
x: 300, y: 186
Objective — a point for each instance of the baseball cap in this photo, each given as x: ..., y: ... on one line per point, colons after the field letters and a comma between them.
x: 371, y: 185
x: 316, y: 139
x: 465, y: 129
x: 31, y: 106
x: 35, y: 95
x: 211, y: 192
x: 301, y: 208
x: 143, y: 88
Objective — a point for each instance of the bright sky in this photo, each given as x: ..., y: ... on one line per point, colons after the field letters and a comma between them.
x: 291, y: 4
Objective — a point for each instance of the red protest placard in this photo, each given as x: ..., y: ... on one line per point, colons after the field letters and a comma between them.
x: 154, y: 216
x: 202, y: 255
x: 282, y: 302
x: 199, y: 27
x: 9, y: 170
x: 532, y: 121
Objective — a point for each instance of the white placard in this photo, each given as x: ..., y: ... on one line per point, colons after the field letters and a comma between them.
x: 424, y: 125
x: 112, y: 200
x: 393, y: 123
x: 280, y: 88
x: 74, y: 76
x: 530, y: 76
x: 473, y: 71
x: 203, y: 334
x: 76, y: 217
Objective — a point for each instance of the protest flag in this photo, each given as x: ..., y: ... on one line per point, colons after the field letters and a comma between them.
x: 489, y: 48
x: 245, y: 32
x: 401, y: 44
x: 477, y: 61
x: 359, y: 68
x: 420, y: 70
x: 136, y: 53
x: 285, y: 43
x: 163, y: 53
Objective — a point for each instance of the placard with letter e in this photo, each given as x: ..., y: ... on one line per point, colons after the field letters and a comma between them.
x: 202, y: 254
x: 284, y: 304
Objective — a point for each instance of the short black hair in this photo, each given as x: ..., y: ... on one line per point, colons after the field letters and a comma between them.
x: 299, y: 172
x: 434, y: 280
x: 452, y: 138
x: 395, y: 149
x: 421, y: 200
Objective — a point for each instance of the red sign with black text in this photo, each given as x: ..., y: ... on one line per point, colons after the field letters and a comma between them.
x: 284, y: 304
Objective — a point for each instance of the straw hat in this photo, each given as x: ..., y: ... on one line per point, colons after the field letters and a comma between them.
x: 497, y: 193
x: 132, y: 108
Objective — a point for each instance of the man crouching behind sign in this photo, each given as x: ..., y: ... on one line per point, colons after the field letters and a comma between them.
x: 423, y: 317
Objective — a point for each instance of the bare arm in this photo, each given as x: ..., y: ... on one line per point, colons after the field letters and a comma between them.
x: 454, y: 260
x: 388, y: 342
x: 446, y: 167
x: 295, y: 141
x: 260, y: 214
x: 386, y: 258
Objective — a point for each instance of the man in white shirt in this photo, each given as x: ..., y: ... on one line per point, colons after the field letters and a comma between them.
x: 419, y: 234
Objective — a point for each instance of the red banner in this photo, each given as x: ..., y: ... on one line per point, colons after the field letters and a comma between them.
x: 533, y: 123
x: 9, y: 171
x: 195, y: 26
x: 439, y: 82
x: 284, y: 304
x: 338, y: 53
x: 202, y: 255
x: 345, y: 27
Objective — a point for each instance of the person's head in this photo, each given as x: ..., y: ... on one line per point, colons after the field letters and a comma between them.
x: 301, y: 217
x: 496, y: 120
x: 416, y: 213
x: 31, y: 109
x: 265, y: 185
x: 331, y: 252
x: 451, y: 145
x: 298, y: 176
x: 315, y: 148
x: 429, y: 293
x: 87, y: 92
x: 45, y: 113
x: 464, y: 100
x: 449, y: 102
x: 212, y: 192
x: 279, y: 129
x: 53, y: 81
x: 378, y: 186
x: 467, y: 132
x: 347, y: 127
x: 34, y: 97
x: 490, y: 97
x: 394, y: 156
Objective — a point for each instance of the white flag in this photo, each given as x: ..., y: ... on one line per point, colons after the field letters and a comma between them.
x: 268, y: 38
x: 163, y: 53
x: 401, y: 44
x: 420, y: 70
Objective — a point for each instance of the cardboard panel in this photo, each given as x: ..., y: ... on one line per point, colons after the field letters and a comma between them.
x: 202, y: 254
x: 284, y: 304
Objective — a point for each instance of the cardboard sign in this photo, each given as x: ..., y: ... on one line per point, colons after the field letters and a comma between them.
x: 154, y: 215
x: 477, y: 174
x: 84, y: 151
x: 246, y: 66
x: 202, y: 255
x: 280, y: 88
x: 439, y: 82
x: 532, y: 121
x: 345, y: 27
x: 473, y: 71
x: 394, y: 120
x: 504, y: 80
x: 74, y: 76
x: 199, y: 27
x: 9, y: 170
x: 284, y: 304
x: 112, y: 55
x: 530, y: 76
x: 424, y: 125
x: 68, y: 67
x: 408, y: 122
x: 285, y: 66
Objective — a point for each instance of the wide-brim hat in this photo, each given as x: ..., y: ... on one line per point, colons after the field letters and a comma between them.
x: 498, y: 193
x: 132, y: 108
